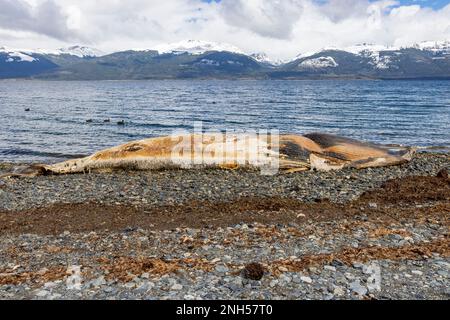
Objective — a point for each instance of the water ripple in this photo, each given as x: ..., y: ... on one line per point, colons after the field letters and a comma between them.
x: 391, y: 112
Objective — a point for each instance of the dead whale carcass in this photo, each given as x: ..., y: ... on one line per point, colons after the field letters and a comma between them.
x: 272, y: 152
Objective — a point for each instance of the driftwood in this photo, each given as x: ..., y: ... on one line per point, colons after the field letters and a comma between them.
x: 288, y: 153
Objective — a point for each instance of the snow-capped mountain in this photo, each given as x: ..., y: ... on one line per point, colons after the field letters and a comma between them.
x: 17, y: 63
x: 373, y: 52
x: 429, y: 60
x: 318, y: 63
x: 380, y: 56
x: 77, y: 51
x: 201, y: 59
x: 16, y: 55
x: 195, y: 47
x: 437, y: 47
x: 262, y: 57
x: 27, y: 55
x: 377, y: 57
x: 370, y: 49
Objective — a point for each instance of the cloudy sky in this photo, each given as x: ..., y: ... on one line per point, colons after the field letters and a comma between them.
x: 281, y: 28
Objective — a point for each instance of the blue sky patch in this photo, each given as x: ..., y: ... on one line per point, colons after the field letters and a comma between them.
x: 435, y: 4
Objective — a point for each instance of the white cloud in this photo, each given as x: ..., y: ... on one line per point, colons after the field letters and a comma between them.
x: 282, y: 28
x: 273, y: 19
x: 44, y: 17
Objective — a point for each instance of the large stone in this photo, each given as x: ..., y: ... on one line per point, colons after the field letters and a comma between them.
x: 222, y: 268
x: 357, y: 288
x: 176, y: 287
x: 306, y: 279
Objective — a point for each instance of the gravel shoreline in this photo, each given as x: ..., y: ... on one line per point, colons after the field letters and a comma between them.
x: 192, y: 234
x: 178, y: 186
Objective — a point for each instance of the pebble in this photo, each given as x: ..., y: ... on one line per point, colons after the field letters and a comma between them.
x: 50, y: 285
x: 130, y: 285
x: 357, y: 288
x: 337, y: 280
x: 338, y: 291
x: 159, y: 187
x: 110, y: 290
x: 100, y: 281
x: 313, y: 269
x: 42, y: 293
x: 176, y: 287
x: 222, y: 268
x: 306, y: 279
x: 285, y: 278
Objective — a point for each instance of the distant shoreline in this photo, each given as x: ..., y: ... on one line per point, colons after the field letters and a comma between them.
x: 232, y: 79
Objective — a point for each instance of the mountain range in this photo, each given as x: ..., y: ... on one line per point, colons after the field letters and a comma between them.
x: 208, y: 60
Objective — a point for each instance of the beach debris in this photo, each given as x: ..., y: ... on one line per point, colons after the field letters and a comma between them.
x: 121, y: 123
x: 443, y: 173
x: 253, y: 271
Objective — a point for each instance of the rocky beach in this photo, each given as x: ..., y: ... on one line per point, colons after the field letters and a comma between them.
x: 379, y: 233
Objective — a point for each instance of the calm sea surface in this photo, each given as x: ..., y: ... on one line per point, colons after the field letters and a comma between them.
x: 391, y: 112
